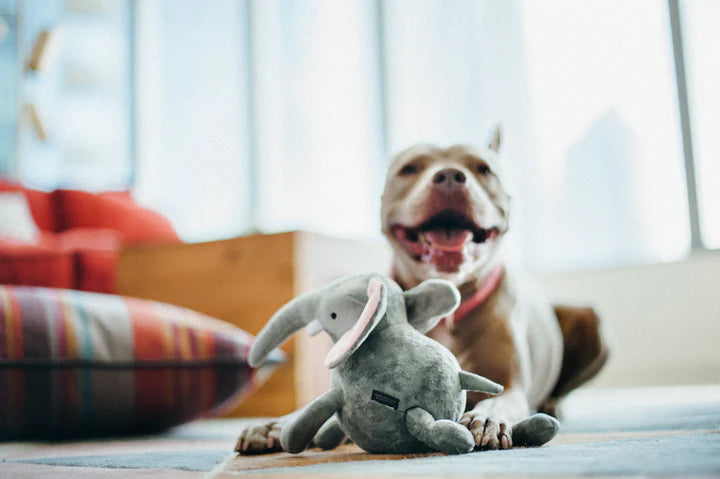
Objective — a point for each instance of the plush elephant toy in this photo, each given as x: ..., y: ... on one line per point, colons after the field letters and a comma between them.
x: 393, y: 390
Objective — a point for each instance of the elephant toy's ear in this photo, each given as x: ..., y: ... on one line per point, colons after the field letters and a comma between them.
x: 371, y: 315
x: 427, y: 303
x: 286, y: 321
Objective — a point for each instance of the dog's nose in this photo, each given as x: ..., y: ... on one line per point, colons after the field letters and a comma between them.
x: 449, y: 177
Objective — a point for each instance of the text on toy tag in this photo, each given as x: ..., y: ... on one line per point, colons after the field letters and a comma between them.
x: 385, y: 399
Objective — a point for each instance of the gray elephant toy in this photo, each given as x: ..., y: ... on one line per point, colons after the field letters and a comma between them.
x: 393, y: 390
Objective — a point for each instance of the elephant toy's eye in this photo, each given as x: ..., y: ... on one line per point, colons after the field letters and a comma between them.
x: 333, y: 315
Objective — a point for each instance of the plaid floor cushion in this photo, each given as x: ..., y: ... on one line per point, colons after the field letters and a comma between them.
x: 76, y: 364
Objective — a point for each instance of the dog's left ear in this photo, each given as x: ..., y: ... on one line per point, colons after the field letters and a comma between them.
x: 427, y: 303
x: 495, y: 139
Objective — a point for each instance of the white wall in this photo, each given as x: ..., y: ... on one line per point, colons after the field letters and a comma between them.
x: 662, y: 321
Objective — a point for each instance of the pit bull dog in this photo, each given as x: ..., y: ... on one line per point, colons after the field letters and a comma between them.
x: 445, y: 213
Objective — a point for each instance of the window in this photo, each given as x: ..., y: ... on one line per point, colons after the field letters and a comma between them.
x: 701, y: 39
x: 8, y: 83
x: 268, y: 115
x: 592, y: 148
x: 606, y: 185
x: 312, y: 96
x: 82, y: 97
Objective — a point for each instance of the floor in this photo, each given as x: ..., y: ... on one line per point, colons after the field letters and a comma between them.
x: 672, y: 431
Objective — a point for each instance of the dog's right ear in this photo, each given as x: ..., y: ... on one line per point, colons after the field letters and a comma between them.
x: 496, y: 139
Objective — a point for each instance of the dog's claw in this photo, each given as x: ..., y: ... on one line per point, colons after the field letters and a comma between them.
x: 487, y: 433
x: 505, y: 439
x: 476, y: 427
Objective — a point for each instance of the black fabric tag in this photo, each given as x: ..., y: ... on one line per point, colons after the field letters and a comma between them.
x: 385, y: 399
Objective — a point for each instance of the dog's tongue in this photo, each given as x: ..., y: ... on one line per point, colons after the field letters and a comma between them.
x: 448, y: 240
x: 444, y: 248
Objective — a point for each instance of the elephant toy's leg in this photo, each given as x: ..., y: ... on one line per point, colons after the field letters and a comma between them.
x: 443, y: 435
x: 330, y: 434
x: 535, y: 430
x: 296, y: 435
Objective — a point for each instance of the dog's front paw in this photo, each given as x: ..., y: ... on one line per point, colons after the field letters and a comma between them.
x: 260, y: 438
x: 489, y: 432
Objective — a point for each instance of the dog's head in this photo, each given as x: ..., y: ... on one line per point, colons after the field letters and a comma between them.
x: 444, y: 211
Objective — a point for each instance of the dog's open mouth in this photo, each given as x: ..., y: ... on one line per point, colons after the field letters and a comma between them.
x: 444, y: 239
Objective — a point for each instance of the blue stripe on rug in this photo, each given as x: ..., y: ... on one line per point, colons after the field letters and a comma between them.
x: 178, y: 460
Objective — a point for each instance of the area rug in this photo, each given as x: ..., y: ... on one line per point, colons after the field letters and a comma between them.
x: 649, y: 432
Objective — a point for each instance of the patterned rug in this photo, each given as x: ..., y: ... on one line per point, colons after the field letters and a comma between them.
x: 650, y: 432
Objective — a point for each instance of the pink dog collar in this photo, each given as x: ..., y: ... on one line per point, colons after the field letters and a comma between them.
x: 479, y: 297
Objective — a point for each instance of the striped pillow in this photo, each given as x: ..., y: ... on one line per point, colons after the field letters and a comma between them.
x: 76, y: 364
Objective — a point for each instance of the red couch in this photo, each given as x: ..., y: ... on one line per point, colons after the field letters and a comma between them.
x: 81, y: 234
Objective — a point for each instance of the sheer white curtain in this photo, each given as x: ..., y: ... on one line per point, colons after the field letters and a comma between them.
x: 311, y: 69
x: 607, y: 178
x: 318, y: 117
x: 276, y: 114
x: 703, y: 70
x: 192, y: 123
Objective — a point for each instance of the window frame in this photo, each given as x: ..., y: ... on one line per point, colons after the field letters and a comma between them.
x: 676, y: 31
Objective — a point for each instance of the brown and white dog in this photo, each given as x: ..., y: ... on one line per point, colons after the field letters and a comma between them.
x: 445, y: 212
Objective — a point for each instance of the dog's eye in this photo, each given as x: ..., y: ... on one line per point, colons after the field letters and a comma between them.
x: 408, y: 170
x: 482, y: 169
x: 333, y: 315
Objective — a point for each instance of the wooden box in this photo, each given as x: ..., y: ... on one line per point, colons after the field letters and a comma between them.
x: 244, y: 281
